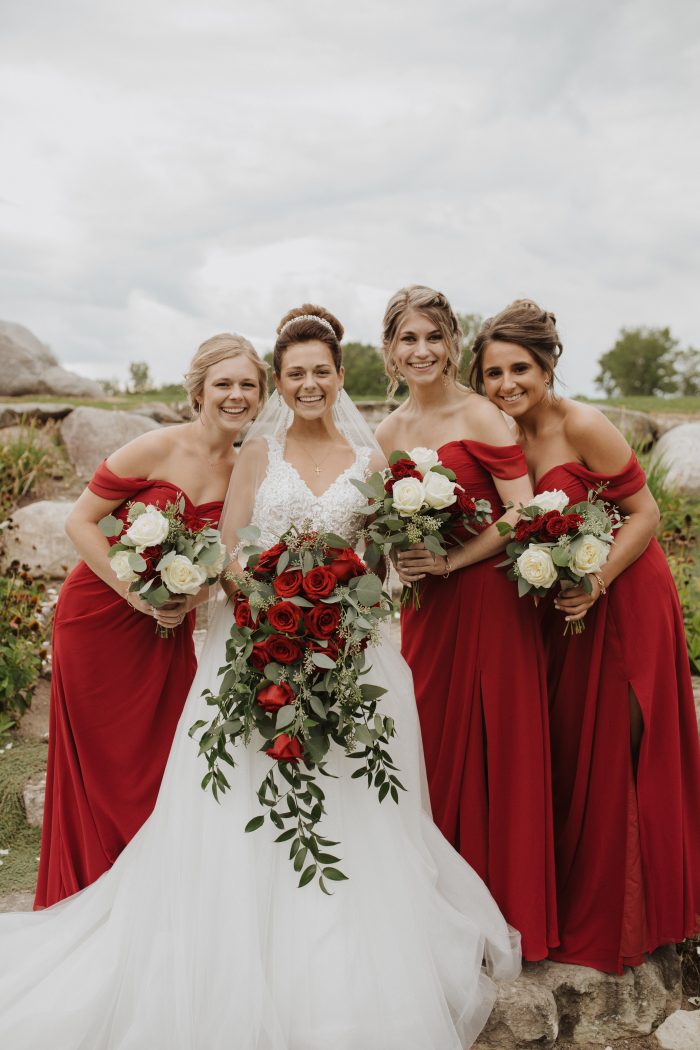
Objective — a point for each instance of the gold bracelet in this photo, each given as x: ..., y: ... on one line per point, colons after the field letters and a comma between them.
x: 601, y: 582
x: 446, y: 575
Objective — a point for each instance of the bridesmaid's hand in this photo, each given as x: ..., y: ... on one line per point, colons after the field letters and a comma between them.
x: 173, y: 612
x: 417, y: 561
x: 574, y: 602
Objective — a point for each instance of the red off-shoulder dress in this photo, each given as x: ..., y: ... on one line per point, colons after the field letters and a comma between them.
x: 627, y: 848
x: 478, y: 665
x: 117, y: 692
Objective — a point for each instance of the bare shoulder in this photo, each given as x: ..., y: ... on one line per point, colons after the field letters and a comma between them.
x: 141, y: 457
x: 597, y: 441
x: 485, y: 422
x: 388, y: 431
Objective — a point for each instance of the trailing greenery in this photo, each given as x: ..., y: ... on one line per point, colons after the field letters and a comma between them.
x: 24, y: 629
x: 24, y: 759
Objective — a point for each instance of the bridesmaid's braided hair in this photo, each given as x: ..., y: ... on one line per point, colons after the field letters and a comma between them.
x: 305, y: 324
x: 438, y: 310
x: 526, y: 324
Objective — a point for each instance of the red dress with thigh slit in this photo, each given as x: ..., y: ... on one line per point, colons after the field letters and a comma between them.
x: 117, y: 692
x: 628, y: 848
x: 478, y: 665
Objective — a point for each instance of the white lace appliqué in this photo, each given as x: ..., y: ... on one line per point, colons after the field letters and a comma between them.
x: 285, y: 499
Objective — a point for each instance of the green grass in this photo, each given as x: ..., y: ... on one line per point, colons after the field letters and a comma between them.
x: 169, y: 396
x: 689, y: 406
x: 19, y: 868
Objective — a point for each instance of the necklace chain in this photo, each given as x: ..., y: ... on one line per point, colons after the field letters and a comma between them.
x: 317, y: 463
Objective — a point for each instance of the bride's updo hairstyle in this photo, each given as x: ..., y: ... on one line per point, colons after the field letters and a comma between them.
x: 526, y: 324
x: 437, y: 309
x: 306, y: 324
x: 220, y: 348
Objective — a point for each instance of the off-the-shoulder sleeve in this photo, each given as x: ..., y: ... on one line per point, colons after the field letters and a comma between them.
x: 617, y: 486
x: 107, y: 485
x: 501, y: 461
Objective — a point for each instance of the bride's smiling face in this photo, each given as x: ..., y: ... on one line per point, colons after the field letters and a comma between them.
x: 308, y: 381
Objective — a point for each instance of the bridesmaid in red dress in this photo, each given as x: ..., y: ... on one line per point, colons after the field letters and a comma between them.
x: 117, y: 688
x: 625, y: 755
x: 474, y: 649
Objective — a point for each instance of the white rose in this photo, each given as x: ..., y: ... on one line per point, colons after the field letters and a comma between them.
x: 536, y: 567
x: 424, y: 458
x: 216, y: 566
x: 149, y: 529
x: 181, y: 576
x: 408, y: 496
x: 120, y: 566
x: 588, y: 553
x: 439, y: 490
x: 552, y: 499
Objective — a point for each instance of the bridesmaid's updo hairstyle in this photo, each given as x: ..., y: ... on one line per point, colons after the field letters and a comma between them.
x: 306, y: 324
x: 220, y: 348
x: 526, y: 324
x: 437, y: 309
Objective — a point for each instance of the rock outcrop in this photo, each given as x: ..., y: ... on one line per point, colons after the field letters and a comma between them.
x: 14, y: 412
x: 680, y: 1031
x: 91, y: 434
x: 678, y: 451
x: 638, y: 427
x: 27, y: 366
x: 35, y: 536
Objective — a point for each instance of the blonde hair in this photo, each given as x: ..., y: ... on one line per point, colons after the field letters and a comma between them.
x: 437, y: 309
x: 221, y: 348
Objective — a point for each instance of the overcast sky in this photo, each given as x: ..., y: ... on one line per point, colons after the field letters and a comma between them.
x: 170, y: 170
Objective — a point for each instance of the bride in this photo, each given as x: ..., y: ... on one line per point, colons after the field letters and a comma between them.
x: 199, y: 936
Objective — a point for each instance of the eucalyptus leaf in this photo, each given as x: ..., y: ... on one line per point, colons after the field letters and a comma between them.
x: 110, y: 526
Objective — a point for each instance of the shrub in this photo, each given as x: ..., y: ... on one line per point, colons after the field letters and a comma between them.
x: 25, y: 459
x: 24, y: 629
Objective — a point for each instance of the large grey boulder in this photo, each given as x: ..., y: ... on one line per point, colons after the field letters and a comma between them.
x: 91, y: 434
x: 678, y: 451
x: 34, y: 536
x: 27, y: 366
x: 638, y: 427
x: 680, y: 1031
x: 13, y: 412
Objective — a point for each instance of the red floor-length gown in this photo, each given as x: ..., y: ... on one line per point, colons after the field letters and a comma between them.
x: 117, y: 692
x: 478, y: 665
x: 628, y: 855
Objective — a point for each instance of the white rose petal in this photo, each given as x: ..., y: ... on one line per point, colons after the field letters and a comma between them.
x: 149, y: 529
x: 536, y: 567
x: 408, y: 496
x: 182, y: 577
x: 552, y: 499
x: 439, y: 490
x: 424, y: 458
x: 588, y: 553
x: 120, y: 566
x: 216, y: 567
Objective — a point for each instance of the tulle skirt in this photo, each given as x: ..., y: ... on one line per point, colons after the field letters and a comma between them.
x: 199, y: 937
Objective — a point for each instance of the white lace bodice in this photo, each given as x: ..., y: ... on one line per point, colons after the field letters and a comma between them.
x: 285, y: 499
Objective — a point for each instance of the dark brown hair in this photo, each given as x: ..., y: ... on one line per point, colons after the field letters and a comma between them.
x: 526, y: 324
x: 437, y: 309
x: 307, y: 325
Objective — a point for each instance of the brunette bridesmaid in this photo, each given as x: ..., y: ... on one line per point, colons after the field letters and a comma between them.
x: 117, y: 688
x: 474, y: 649
x: 625, y: 756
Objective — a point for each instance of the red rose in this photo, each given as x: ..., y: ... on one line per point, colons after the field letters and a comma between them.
x: 574, y: 521
x: 272, y: 697
x: 322, y: 621
x: 288, y: 583
x: 286, y: 616
x: 466, y: 504
x: 403, y: 468
x: 285, y: 749
x: 267, y: 562
x: 260, y: 656
x: 332, y: 649
x: 555, y: 524
x: 319, y: 583
x: 282, y: 649
x: 346, y: 564
x: 243, y: 614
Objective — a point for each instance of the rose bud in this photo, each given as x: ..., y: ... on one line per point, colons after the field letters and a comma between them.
x: 346, y: 565
x: 285, y: 749
x: 272, y: 697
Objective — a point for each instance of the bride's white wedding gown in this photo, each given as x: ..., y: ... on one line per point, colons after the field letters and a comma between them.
x: 199, y: 939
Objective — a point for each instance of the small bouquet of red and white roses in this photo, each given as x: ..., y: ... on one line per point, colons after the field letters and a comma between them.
x: 555, y: 541
x: 161, y: 553
x: 417, y: 500
x: 304, y: 613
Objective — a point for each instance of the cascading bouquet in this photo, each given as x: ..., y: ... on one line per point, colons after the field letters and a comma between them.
x: 557, y: 541
x: 162, y: 553
x: 417, y: 500
x: 304, y: 613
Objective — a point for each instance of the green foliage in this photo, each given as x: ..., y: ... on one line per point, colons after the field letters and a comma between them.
x: 364, y: 371
x: 24, y: 460
x: 17, y: 764
x: 648, y: 361
x: 24, y: 629
x: 470, y: 325
x: 139, y: 377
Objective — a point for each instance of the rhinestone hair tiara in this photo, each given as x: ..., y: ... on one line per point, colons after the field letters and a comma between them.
x: 308, y: 317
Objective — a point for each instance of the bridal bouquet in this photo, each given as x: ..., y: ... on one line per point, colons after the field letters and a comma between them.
x: 554, y: 541
x: 304, y: 613
x: 416, y: 500
x: 161, y: 553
